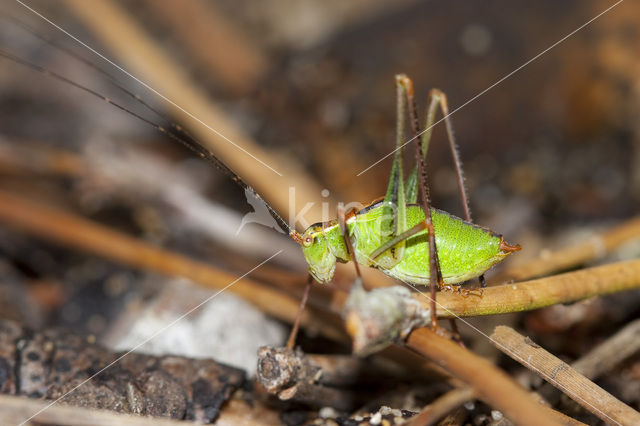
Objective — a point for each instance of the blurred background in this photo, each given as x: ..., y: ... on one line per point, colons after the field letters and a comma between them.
x: 551, y: 153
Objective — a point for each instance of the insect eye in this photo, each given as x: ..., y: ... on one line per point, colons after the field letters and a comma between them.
x: 307, y: 241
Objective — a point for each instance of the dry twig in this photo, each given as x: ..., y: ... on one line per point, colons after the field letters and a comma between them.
x: 607, y: 355
x: 603, y: 358
x: 587, y: 251
x: 443, y: 405
x: 561, y: 375
x: 18, y: 156
x: 86, y: 235
x: 234, y: 58
x: 247, y: 413
x: 150, y: 63
x: 490, y: 384
x: 291, y: 375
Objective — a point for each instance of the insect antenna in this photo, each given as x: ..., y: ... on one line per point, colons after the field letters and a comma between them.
x: 176, y: 132
x: 110, y: 78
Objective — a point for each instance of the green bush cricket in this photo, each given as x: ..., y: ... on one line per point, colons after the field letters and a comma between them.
x: 412, y: 243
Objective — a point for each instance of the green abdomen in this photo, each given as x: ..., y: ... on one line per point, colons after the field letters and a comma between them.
x: 465, y: 250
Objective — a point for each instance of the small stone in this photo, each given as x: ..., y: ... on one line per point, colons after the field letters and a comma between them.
x: 328, y: 413
x: 376, y: 419
x: 470, y: 405
x: 496, y: 415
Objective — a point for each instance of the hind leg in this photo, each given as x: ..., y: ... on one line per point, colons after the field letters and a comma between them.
x: 438, y: 100
x: 435, y: 275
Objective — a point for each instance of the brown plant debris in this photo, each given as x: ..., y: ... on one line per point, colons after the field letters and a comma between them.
x: 564, y: 377
x: 381, y: 316
x: 490, y: 384
x: 442, y: 406
x: 584, y: 252
x: 291, y: 375
x: 603, y: 358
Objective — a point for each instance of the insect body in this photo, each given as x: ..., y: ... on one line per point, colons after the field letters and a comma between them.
x: 393, y: 234
x: 465, y: 250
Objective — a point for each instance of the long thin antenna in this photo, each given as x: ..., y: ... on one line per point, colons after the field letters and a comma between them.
x: 110, y: 78
x: 186, y: 140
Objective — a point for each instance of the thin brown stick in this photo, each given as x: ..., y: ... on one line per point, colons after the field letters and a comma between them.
x: 228, y: 53
x: 19, y: 157
x: 151, y: 64
x: 455, y: 333
x: 604, y: 357
x: 237, y: 412
x: 535, y: 294
x: 83, y: 234
x: 490, y: 384
x: 31, y: 157
x: 319, y: 396
x: 443, y: 405
x: 607, y: 355
x: 587, y: 251
x: 344, y: 370
x: 561, y: 375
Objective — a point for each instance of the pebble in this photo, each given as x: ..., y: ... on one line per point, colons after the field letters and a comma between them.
x: 328, y: 413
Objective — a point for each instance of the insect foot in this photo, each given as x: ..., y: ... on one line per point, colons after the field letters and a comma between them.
x: 379, y: 317
x: 464, y: 292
